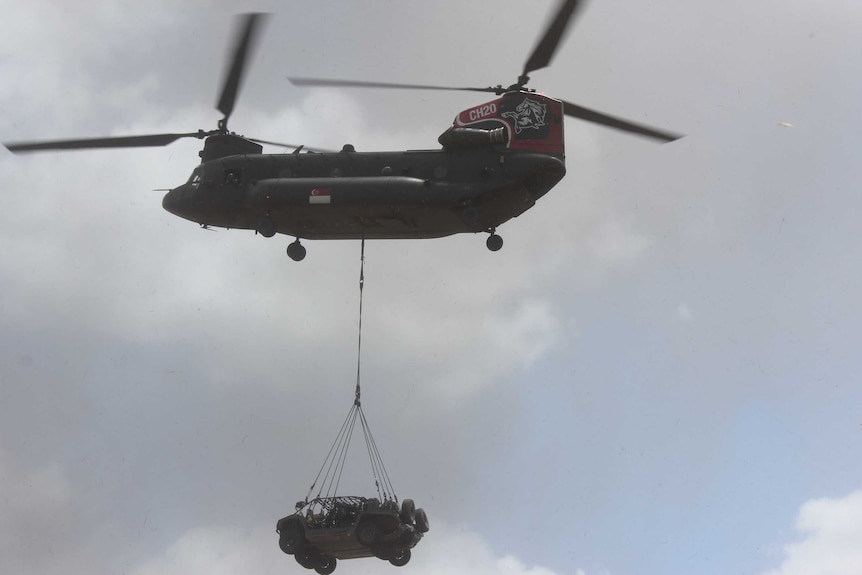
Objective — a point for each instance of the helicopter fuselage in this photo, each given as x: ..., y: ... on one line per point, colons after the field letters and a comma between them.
x: 348, y: 194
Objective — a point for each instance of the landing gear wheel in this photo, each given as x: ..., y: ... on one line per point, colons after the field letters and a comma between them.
x: 266, y: 228
x: 421, y: 521
x: 326, y: 565
x: 408, y: 511
x: 296, y: 251
x: 400, y: 558
x: 494, y: 242
x: 367, y: 533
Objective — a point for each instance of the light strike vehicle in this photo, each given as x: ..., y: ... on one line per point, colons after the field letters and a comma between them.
x: 328, y: 529
x: 495, y: 161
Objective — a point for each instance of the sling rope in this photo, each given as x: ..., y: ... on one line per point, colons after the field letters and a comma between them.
x: 359, y: 346
x: 335, y: 459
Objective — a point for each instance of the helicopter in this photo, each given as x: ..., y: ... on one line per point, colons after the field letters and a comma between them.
x: 496, y: 160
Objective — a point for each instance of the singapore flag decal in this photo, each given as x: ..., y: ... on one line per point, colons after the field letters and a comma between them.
x: 320, y: 196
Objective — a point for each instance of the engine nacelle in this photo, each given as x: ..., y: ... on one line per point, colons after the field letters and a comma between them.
x: 470, y: 138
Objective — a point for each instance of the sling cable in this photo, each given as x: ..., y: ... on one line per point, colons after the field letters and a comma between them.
x: 329, y: 476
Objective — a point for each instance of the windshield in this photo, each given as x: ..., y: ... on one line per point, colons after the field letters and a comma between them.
x: 195, y: 179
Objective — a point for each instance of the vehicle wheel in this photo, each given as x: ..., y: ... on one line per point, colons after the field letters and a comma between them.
x: 421, y: 521
x: 266, y: 228
x: 408, y: 511
x: 400, y: 558
x: 290, y: 539
x: 307, y: 557
x: 326, y: 565
x: 296, y: 251
x: 367, y: 533
x: 494, y: 242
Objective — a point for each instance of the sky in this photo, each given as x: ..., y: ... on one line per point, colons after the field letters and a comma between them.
x: 658, y: 373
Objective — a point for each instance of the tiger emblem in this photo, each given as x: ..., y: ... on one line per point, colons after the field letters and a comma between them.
x: 528, y: 115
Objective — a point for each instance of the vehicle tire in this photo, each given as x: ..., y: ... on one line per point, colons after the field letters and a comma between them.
x: 383, y: 554
x: 408, y: 511
x: 367, y: 533
x: 400, y: 558
x: 421, y: 521
x: 494, y: 242
x: 307, y: 557
x: 326, y: 565
x: 291, y: 538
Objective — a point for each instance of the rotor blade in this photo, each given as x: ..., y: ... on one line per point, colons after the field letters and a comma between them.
x: 546, y: 47
x: 576, y: 111
x: 279, y: 144
x: 361, y: 84
x: 282, y: 145
x: 113, y: 142
x: 244, y: 42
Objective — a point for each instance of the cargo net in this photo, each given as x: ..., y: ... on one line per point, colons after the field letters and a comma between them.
x: 329, y: 476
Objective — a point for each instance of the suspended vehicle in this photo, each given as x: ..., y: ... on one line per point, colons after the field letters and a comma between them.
x: 497, y: 159
x: 327, y: 527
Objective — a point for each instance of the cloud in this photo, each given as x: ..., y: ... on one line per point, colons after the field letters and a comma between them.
x: 216, y: 551
x: 832, y: 530
x: 459, y: 359
x: 446, y: 550
x: 616, y: 241
x: 683, y: 312
x: 38, y: 529
x: 30, y: 497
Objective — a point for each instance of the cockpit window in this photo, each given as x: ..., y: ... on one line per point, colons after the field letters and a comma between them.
x: 195, y: 180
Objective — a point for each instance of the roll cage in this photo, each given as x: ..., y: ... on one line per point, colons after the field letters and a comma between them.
x: 340, y: 511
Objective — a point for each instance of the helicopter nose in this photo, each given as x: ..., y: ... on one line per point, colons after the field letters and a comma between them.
x: 172, y: 200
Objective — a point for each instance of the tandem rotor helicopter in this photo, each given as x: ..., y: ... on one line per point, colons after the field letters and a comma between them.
x: 496, y: 160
